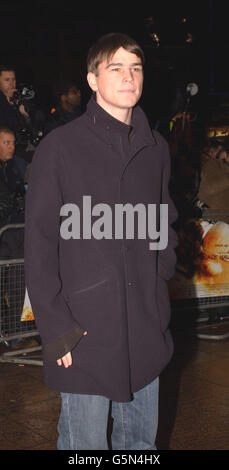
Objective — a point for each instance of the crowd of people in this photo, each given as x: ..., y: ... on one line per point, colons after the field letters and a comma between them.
x: 199, y: 176
x: 22, y: 125
x: 18, y: 123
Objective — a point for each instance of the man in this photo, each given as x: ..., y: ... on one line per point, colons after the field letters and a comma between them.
x: 224, y: 155
x: 101, y: 302
x: 16, y: 118
x: 9, y: 116
x: 12, y: 167
x: 12, y: 204
x: 211, y: 150
x: 68, y: 108
x: 213, y: 193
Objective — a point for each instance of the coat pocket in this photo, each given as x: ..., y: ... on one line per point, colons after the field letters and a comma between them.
x: 97, y: 309
x: 88, y: 288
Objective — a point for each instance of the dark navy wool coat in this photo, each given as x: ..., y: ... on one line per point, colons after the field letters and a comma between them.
x: 115, y: 289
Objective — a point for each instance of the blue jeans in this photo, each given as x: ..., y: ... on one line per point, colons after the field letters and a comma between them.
x: 83, y: 421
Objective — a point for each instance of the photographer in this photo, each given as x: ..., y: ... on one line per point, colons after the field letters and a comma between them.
x: 17, y: 111
x: 14, y: 118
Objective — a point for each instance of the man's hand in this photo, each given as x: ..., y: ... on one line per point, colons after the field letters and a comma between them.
x: 66, y: 360
x: 23, y: 111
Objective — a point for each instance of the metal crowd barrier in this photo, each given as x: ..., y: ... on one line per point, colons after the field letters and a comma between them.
x: 12, y: 294
x: 211, y: 313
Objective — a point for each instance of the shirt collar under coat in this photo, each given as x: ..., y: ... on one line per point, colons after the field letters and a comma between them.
x: 139, y: 129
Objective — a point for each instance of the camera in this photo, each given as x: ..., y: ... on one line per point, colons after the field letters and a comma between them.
x: 31, y: 135
x: 22, y: 95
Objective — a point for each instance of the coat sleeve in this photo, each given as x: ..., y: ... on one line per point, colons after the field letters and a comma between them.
x: 167, y: 257
x: 58, y: 329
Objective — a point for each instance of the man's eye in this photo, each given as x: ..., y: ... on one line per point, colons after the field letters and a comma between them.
x: 115, y: 69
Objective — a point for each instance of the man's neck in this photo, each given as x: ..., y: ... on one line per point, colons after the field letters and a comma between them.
x: 123, y: 115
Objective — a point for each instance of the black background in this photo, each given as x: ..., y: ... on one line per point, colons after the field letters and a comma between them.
x: 47, y: 40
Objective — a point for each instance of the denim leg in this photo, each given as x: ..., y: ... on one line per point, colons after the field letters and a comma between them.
x: 83, y: 422
x: 135, y: 423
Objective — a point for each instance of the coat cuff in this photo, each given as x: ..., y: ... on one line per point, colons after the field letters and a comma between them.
x: 57, y: 349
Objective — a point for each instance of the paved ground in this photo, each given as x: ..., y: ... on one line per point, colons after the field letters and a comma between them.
x: 194, y: 400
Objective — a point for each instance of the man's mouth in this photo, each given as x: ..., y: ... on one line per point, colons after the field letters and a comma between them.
x: 127, y: 91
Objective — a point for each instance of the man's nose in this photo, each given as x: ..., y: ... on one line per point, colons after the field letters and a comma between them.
x: 128, y: 75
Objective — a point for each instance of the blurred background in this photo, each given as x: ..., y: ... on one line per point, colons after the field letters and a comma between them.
x: 182, y: 41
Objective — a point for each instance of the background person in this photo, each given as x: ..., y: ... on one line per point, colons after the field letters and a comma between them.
x: 20, y: 114
x: 68, y: 96
x: 10, y: 116
x: 12, y: 196
x: 12, y: 171
x: 213, y: 192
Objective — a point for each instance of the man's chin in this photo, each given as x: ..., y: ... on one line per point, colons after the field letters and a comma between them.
x: 10, y: 95
x: 9, y: 157
x: 128, y: 104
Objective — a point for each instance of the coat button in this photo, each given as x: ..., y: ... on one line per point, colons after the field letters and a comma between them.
x: 130, y: 284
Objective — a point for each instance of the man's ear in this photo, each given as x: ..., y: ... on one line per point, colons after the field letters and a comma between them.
x: 92, y: 81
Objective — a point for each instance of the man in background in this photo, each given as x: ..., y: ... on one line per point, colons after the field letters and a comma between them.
x: 12, y: 202
x: 213, y: 193
x: 10, y: 116
x: 68, y: 98
x: 12, y: 167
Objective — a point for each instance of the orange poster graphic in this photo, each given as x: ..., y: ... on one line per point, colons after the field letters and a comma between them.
x: 203, y: 261
x: 27, y: 313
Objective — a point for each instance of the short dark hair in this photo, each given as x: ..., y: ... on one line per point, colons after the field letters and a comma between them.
x: 212, y: 143
x: 4, y: 68
x: 6, y: 129
x: 107, y: 45
x: 63, y: 86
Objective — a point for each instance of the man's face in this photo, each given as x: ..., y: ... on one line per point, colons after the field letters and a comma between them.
x: 118, y: 83
x: 8, y: 83
x: 7, y: 146
x: 74, y: 96
x: 223, y: 155
x: 213, y: 152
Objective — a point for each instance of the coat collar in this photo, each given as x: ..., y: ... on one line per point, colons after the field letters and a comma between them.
x: 139, y: 127
x: 102, y: 119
